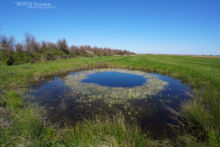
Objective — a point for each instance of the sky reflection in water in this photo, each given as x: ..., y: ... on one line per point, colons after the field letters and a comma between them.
x: 64, y: 104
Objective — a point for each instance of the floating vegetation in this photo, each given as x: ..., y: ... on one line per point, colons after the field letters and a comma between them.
x: 113, y: 95
x: 83, y: 95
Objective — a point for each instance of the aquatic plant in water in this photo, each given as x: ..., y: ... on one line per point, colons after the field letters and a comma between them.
x: 113, y: 95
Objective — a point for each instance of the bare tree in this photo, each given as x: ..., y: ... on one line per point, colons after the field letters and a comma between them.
x: 52, y: 46
x: 31, y: 44
x: 19, y: 47
x: 62, y: 45
x: 6, y: 43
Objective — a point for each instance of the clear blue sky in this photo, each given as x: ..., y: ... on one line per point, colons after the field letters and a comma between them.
x: 141, y: 26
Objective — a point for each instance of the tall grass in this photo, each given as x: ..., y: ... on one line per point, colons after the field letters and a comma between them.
x: 104, y: 131
x: 28, y: 127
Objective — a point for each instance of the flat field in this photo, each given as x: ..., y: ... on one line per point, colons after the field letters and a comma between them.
x: 22, y: 124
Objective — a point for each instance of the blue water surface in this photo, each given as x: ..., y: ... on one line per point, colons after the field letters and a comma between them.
x: 115, y: 79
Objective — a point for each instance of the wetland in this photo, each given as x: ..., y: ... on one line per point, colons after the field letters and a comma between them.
x: 140, y: 96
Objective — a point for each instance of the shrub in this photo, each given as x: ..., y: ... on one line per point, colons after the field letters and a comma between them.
x: 33, y: 51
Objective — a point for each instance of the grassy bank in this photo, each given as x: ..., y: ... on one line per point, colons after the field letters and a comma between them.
x: 20, y: 124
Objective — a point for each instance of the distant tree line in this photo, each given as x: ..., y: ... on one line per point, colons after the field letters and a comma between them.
x: 32, y: 51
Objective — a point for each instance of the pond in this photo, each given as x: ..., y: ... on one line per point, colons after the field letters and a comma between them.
x: 140, y: 96
x: 115, y: 79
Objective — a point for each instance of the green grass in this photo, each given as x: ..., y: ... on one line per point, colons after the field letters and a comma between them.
x: 201, y: 116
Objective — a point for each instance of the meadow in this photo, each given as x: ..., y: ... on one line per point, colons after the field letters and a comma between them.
x: 199, y: 119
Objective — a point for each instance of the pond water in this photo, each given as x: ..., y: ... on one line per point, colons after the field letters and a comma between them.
x: 140, y: 96
x: 115, y: 79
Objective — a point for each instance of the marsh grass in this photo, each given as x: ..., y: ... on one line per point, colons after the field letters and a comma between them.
x: 24, y: 122
x: 26, y: 127
x: 104, y: 131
